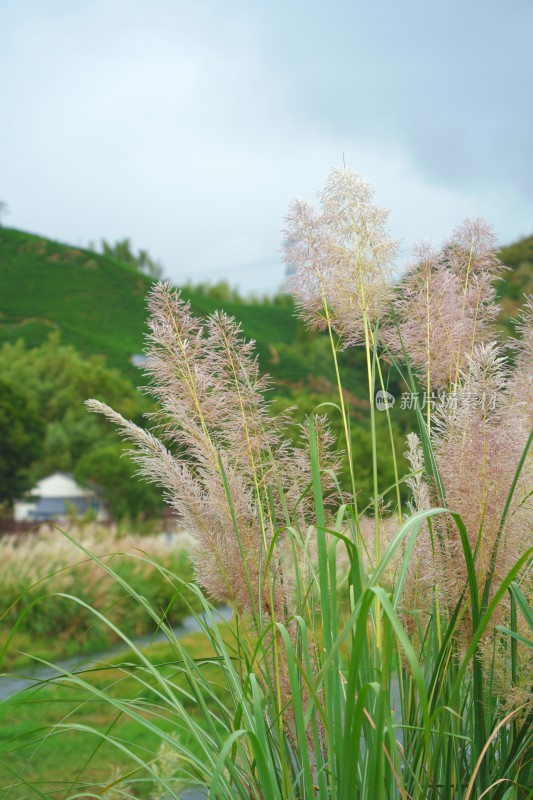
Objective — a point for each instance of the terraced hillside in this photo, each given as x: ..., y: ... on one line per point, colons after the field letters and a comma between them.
x: 98, y: 305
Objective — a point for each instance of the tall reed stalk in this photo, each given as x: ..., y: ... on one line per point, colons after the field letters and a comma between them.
x: 406, y: 674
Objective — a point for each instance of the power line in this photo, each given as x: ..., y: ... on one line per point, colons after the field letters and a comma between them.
x: 261, y: 263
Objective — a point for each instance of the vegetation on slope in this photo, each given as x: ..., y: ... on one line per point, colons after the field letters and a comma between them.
x: 517, y: 282
x: 96, y: 303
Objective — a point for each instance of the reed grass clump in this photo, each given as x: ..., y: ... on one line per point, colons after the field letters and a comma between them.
x: 369, y: 656
x: 39, y: 569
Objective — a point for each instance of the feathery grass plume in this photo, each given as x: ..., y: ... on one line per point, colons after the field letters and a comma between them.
x: 340, y: 259
x: 471, y: 254
x: 227, y: 471
x: 471, y: 250
x: 446, y: 303
x: 218, y: 454
x: 420, y: 577
x: 478, y: 444
x: 364, y: 252
x: 340, y: 266
x: 308, y: 254
x: 522, y: 381
x: 292, y: 474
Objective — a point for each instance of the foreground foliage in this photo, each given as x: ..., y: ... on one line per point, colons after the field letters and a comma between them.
x: 374, y: 652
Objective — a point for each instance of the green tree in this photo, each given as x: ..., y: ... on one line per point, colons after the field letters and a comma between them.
x: 21, y: 437
x: 123, y: 492
x: 56, y: 380
x: 122, y: 251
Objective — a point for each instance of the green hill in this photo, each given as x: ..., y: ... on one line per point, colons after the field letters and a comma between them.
x: 98, y: 305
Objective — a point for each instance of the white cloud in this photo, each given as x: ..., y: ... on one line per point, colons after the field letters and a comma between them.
x: 178, y: 128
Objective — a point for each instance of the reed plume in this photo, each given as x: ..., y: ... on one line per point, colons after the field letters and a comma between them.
x: 446, y: 304
x: 478, y: 445
x: 478, y: 442
x: 522, y: 381
x: 420, y: 577
x: 341, y: 258
x: 218, y: 453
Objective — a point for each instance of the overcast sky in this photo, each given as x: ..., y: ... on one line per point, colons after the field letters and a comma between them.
x: 189, y: 126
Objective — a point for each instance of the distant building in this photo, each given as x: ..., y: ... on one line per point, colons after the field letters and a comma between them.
x: 54, y: 498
